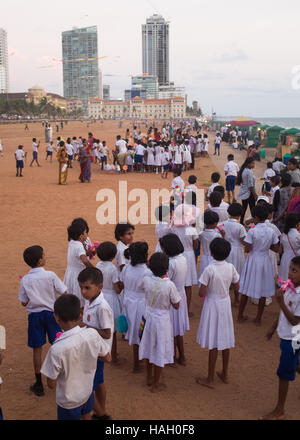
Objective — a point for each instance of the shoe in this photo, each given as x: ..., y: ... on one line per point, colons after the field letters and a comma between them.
x: 37, y: 389
x: 105, y: 417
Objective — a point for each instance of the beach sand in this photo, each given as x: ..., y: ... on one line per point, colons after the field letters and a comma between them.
x: 35, y: 210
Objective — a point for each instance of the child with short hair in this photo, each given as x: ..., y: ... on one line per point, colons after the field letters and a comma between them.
x: 134, y: 297
x: 216, y: 331
x: 268, y: 174
x: 173, y: 248
x: 71, y: 362
x: 35, y: 147
x: 38, y: 293
x: 274, y: 184
x: 217, y: 205
x: 215, y: 178
x: 157, y: 343
x: 124, y: 236
x: 290, y: 243
x: 231, y: 171
x: 77, y: 258
x: 103, y: 152
x: 211, y: 231
x: 20, y: 156
x: 111, y: 287
x: 49, y: 151
x: 192, y: 184
x: 97, y: 314
x: 286, y: 325
x: 165, y: 161
x: 257, y: 278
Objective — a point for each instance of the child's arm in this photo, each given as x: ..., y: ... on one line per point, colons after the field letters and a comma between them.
x: 235, y: 287
x: 51, y: 383
x: 272, y: 329
x: 293, y: 320
x: 248, y: 247
x: 202, y: 290
x: 275, y: 247
x: 176, y: 306
x: 86, y: 261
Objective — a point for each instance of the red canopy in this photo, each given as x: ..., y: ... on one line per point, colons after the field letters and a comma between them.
x: 243, y: 122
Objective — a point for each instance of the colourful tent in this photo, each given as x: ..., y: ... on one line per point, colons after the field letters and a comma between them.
x: 242, y: 122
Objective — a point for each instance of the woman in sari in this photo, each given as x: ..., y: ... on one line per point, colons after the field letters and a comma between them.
x: 62, y: 158
x: 85, y: 156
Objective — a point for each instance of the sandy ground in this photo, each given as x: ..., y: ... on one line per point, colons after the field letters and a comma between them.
x: 35, y: 210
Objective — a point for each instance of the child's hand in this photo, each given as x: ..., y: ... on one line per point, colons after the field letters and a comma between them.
x: 279, y: 295
x: 269, y: 334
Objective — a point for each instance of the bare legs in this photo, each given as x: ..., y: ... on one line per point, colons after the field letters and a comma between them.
x: 260, y: 310
x: 100, y: 399
x: 178, y: 344
x: 153, y: 379
x: 278, y: 412
x: 212, y: 360
x: 188, y: 291
x: 37, y: 360
x: 136, y: 362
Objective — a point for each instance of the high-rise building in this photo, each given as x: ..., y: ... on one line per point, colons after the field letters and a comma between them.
x: 132, y: 93
x: 169, y: 91
x: 4, y: 80
x: 106, y: 92
x: 155, y: 36
x: 80, y: 63
x: 147, y: 82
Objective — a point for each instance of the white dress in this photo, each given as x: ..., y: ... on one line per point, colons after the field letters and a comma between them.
x: 206, y: 237
x: 150, y: 158
x: 161, y: 229
x: 216, y: 324
x: 187, y: 235
x: 288, y: 252
x: 199, y: 146
x: 178, y: 155
x: 158, y: 156
x: 134, y: 299
x: 234, y: 233
x: 75, y: 266
x: 257, y: 278
x: 273, y: 255
x: 157, y: 344
x: 111, y: 276
x: 187, y: 157
x: 177, y: 274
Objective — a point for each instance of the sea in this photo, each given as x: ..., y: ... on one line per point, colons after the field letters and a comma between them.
x: 281, y: 122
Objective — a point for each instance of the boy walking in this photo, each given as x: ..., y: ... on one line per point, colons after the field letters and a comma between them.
x: 20, y: 155
x: 98, y: 315
x: 35, y: 147
x: 37, y: 293
x: 231, y: 171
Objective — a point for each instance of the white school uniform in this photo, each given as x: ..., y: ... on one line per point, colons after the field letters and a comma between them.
x: 39, y: 287
x: 177, y: 273
x: 187, y: 235
x: 129, y: 159
x: 187, y: 157
x: 157, y: 156
x: 285, y: 329
x: 150, y: 158
x: 110, y: 277
x: 161, y: 229
x: 268, y: 174
x: 99, y: 315
x: 205, y: 144
x: 221, y: 211
x: 74, y: 267
x: 178, y: 155
x: 273, y: 192
x: 70, y: 149
x: 157, y: 344
x: 206, y: 237
x: 216, y: 324
x: 75, y: 147
x: 257, y: 278
x: 20, y: 155
x: 177, y: 181
x: 134, y: 299
x: 192, y: 187
x: 234, y: 233
x: 72, y: 362
x: 291, y: 249
x: 211, y: 189
x: 120, y: 258
x: 199, y: 146
x: 273, y: 255
x: 165, y: 158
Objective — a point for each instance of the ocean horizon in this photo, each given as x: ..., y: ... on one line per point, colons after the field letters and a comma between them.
x: 281, y: 122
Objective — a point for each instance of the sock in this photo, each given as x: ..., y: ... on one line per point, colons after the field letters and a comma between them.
x: 38, y: 379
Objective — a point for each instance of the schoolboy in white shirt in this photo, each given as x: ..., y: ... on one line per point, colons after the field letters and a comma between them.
x: 71, y: 362
x: 231, y: 171
x: 20, y: 155
x: 38, y: 293
x: 97, y: 314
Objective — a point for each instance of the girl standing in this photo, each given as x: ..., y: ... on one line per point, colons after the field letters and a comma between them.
x: 210, y: 232
x: 134, y: 297
x: 150, y: 158
x: 246, y: 179
x: 216, y: 331
x: 173, y: 248
x: 290, y: 243
x: 157, y: 344
x: 157, y: 157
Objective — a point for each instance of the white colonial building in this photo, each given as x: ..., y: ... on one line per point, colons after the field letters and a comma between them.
x: 138, y: 108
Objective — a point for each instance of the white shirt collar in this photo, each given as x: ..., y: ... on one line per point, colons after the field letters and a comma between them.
x: 96, y: 302
x: 36, y: 269
x: 68, y: 333
x: 233, y: 220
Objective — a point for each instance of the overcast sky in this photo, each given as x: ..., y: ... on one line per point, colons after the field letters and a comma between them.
x: 233, y: 56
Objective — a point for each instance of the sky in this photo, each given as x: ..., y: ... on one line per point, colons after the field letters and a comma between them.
x: 232, y: 58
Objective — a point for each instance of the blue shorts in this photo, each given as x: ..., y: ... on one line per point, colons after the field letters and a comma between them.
x: 99, y: 378
x: 288, y: 361
x: 70, y: 156
x: 1, y: 414
x: 217, y: 146
x: 20, y: 164
x: 49, y: 153
x: 35, y: 155
x: 76, y: 413
x: 166, y: 167
x: 138, y: 158
x: 40, y: 324
x: 103, y: 159
x: 230, y: 183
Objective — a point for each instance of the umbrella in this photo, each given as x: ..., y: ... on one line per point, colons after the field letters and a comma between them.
x: 242, y: 122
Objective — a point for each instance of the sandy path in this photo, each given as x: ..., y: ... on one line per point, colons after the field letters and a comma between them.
x: 35, y: 210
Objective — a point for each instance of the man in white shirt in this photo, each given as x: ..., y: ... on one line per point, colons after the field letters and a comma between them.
x: 20, y: 155
x: 231, y: 171
x: 35, y: 147
x: 71, y: 362
x: 218, y: 141
x: 121, y: 147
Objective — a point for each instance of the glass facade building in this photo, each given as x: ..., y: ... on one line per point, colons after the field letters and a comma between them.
x: 80, y: 63
x: 155, y: 39
x: 146, y: 82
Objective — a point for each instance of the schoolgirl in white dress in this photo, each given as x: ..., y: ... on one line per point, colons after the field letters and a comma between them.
x: 210, y: 232
x: 199, y: 145
x: 150, y: 158
x: 187, y: 157
x: 178, y: 155
x: 173, y: 248
x: 157, y: 158
x: 257, y: 278
x: 290, y: 242
x: 77, y: 259
x: 157, y: 343
x: 235, y: 233
x: 216, y: 331
x: 134, y: 297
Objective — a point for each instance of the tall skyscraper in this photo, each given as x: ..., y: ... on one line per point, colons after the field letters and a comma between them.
x: 147, y: 82
x: 155, y: 35
x: 80, y: 63
x: 4, y: 80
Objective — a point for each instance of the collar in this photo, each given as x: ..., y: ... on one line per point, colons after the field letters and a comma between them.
x: 96, y: 302
x: 210, y: 230
x: 37, y: 269
x: 219, y: 263
x: 68, y: 333
x: 232, y: 220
